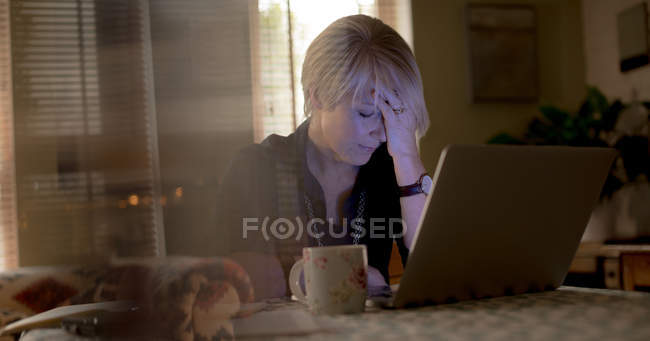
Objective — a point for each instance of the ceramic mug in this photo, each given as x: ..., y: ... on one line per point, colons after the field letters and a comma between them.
x: 335, y: 278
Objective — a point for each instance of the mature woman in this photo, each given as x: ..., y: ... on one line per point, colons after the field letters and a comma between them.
x: 349, y: 174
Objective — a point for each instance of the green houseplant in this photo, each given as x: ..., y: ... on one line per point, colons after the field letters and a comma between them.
x: 596, y: 124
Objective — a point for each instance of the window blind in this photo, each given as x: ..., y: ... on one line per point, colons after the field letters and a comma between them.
x: 275, y: 70
x: 8, y: 233
x: 85, y: 138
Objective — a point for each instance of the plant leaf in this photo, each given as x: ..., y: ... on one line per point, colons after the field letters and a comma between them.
x: 610, y: 116
x: 539, y: 132
x: 586, y: 110
x: 554, y: 115
x: 597, y: 100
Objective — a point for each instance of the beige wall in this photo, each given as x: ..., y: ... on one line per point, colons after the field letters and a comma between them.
x: 441, y: 52
x: 601, y: 51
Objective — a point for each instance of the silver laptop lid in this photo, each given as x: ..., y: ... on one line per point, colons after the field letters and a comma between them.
x: 502, y: 220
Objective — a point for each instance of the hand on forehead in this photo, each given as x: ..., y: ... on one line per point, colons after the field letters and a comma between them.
x: 392, y: 97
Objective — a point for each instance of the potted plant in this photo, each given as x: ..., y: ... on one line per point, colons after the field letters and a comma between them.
x: 599, y: 123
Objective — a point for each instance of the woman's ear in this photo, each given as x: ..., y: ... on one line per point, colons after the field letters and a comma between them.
x: 315, y: 102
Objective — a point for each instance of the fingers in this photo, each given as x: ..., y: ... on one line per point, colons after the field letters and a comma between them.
x: 393, y: 99
x: 386, y: 110
x: 387, y: 103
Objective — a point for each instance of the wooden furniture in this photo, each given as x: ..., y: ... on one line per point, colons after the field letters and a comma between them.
x: 636, y: 270
x: 615, y: 266
x: 395, y: 268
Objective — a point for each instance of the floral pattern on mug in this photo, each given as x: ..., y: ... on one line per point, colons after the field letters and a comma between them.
x: 306, y: 255
x: 358, y: 278
x: 342, y: 292
x: 349, y: 287
x: 335, y: 279
x: 321, y: 262
x: 345, y: 256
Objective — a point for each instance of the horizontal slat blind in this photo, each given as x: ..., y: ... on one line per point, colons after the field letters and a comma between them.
x: 275, y: 71
x: 8, y: 233
x: 85, y: 133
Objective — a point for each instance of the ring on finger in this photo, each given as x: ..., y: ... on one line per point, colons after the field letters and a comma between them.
x: 397, y: 109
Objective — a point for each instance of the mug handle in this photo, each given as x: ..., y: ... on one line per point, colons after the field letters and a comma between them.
x: 294, y: 281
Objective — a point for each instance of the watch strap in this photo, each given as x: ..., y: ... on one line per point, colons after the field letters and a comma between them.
x: 413, y: 189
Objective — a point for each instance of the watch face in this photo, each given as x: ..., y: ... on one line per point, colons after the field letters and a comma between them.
x: 426, y: 184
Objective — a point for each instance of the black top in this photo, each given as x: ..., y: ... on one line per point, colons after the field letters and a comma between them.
x: 270, y: 180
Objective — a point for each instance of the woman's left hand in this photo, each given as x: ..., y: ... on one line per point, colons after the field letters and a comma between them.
x: 400, y: 127
x: 375, y: 278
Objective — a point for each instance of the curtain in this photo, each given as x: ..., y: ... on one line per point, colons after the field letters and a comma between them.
x: 8, y: 226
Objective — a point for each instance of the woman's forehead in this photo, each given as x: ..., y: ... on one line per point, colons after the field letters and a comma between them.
x: 364, y: 98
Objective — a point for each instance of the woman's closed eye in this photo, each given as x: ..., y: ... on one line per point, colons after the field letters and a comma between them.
x: 368, y: 115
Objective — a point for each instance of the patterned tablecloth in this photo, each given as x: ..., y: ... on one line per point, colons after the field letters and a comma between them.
x: 568, y: 313
x: 565, y: 314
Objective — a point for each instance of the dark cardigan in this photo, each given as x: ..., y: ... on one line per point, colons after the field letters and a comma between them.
x: 270, y: 180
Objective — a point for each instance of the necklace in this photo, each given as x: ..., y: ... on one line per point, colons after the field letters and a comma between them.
x: 357, y: 230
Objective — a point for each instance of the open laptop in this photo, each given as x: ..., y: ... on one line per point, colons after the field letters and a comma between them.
x: 501, y: 220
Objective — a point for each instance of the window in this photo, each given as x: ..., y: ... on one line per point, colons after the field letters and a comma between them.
x: 79, y: 155
x: 284, y: 29
x: 85, y: 152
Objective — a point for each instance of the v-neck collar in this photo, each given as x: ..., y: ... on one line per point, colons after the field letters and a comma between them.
x: 312, y: 188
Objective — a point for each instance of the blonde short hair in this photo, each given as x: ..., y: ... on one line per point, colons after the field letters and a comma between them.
x: 357, y: 52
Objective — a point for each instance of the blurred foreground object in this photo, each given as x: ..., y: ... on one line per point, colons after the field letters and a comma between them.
x: 179, y: 298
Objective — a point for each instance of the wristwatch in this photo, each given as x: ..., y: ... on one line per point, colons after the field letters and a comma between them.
x: 423, y: 185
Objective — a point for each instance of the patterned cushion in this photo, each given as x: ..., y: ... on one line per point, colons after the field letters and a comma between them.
x: 196, y: 296
x: 211, y: 313
x: 35, y: 289
x: 8, y: 315
x: 45, y: 294
x: 117, y: 282
x: 185, y: 298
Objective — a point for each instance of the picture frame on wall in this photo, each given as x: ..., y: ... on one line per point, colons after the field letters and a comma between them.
x: 633, y: 37
x: 502, y: 49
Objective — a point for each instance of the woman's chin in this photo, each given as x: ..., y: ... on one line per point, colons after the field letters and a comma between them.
x: 354, y: 157
x: 360, y: 160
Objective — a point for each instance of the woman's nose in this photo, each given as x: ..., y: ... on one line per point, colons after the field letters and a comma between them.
x: 379, y: 132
